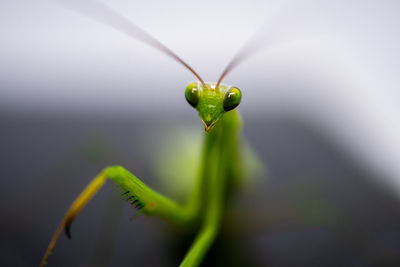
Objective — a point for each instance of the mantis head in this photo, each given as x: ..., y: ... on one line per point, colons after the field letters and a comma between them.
x: 212, y: 101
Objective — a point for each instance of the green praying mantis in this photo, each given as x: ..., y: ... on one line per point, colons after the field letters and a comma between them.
x: 221, y: 164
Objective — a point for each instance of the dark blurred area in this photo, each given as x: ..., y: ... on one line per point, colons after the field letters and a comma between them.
x: 314, y: 208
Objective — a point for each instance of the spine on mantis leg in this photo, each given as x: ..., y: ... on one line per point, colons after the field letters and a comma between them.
x: 146, y: 199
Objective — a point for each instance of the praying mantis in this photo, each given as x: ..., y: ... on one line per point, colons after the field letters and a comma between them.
x: 221, y: 165
x: 220, y: 170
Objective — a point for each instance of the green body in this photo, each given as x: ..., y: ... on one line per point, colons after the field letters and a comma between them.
x: 220, y: 166
x: 220, y: 169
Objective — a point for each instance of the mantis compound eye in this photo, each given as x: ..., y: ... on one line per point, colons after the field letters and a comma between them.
x: 232, y: 98
x: 192, y: 94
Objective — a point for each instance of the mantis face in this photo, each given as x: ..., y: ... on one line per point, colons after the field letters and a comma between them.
x: 211, y: 101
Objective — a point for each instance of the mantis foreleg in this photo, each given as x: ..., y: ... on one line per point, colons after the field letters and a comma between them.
x: 144, y: 198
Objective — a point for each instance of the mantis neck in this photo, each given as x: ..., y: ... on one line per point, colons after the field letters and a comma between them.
x: 220, y: 164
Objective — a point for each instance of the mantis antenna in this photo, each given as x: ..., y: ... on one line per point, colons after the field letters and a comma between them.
x: 248, y: 49
x: 254, y: 44
x: 100, y: 12
x: 240, y: 56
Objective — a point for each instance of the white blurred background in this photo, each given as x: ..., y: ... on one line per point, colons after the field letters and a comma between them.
x: 334, y: 64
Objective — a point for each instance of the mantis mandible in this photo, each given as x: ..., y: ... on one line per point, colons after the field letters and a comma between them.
x: 220, y: 162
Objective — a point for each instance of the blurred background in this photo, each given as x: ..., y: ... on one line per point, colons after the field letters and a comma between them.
x: 320, y: 108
